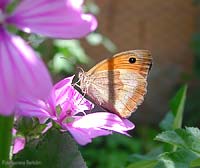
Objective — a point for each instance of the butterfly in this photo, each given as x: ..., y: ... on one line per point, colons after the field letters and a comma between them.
x: 118, y: 84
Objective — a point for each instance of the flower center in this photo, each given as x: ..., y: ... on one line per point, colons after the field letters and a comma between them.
x: 69, y: 119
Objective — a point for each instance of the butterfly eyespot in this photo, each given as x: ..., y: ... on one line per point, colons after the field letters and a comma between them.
x: 132, y: 60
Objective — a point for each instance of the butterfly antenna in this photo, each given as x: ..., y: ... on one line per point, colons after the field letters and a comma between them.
x: 73, y: 62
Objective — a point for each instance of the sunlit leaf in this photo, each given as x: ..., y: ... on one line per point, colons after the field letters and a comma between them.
x: 195, y: 163
x: 94, y: 39
x: 60, y: 63
x: 91, y: 7
x: 186, y: 138
x: 178, y: 159
x: 97, y: 39
x: 71, y: 48
x: 35, y: 40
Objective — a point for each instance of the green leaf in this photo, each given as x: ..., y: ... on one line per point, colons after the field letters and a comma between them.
x: 143, y: 164
x: 195, y: 163
x: 177, y: 106
x: 167, y: 122
x: 147, y: 161
x: 55, y: 150
x: 95, y: 39
x: 68, y: 53
x: 178, y: 159
x: 187, y: 138
x: 72, y: 48
x: 35, y: 40
x: 91, y: 7
x: 109, y: 45
x: 59, y: 63
x: 170, y: 137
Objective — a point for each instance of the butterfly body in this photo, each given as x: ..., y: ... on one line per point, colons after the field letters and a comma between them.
x: 118, y: 84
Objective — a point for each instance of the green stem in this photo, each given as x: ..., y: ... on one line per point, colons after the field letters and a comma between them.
x: 6, y: 125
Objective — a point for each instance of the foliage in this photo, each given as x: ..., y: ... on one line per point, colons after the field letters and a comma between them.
x: 184, y: 142
x: 54, y: 149
x: 175, y: 144
x: 111, y: 151
x: 114, y: 151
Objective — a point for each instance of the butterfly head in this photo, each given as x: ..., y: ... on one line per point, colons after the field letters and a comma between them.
x: 84, y: 81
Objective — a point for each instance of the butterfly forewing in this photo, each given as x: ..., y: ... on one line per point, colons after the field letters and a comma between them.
x: 142, y: 64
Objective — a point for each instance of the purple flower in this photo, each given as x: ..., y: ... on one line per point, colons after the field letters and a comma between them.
x: 58, y: 19
x: 18, y: 142
x: 22, y: 71
x: 72, y: 112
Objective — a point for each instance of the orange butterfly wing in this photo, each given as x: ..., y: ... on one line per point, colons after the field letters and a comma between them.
x: 141, y: 65
x: 118, y: 84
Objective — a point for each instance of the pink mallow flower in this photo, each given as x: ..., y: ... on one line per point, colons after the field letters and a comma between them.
x: 68, y: 108
x: 22, y: 73
x: 18, y: 142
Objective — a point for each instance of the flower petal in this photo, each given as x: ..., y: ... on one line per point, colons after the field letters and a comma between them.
x: 4, y: 3
x: 104, y: 120
x: 68, y: 97
x: 61, y: 90
x: 62, y: 94
x: 31, y: 107
x: 22, y: 72
x: 59, y: 19
x: 19, y: 143
x: 84, y: 136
